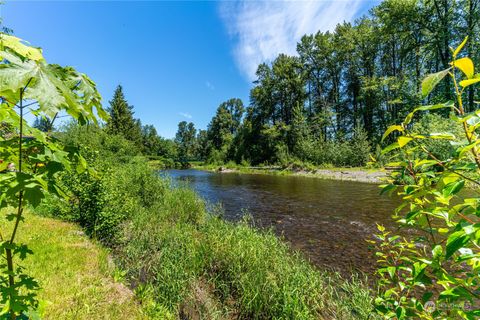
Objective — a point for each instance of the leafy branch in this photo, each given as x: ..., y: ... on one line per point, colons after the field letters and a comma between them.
x: 444, y: 267
x: 28, y: 81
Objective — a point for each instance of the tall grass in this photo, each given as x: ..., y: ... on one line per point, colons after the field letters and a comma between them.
x: 248, y: 273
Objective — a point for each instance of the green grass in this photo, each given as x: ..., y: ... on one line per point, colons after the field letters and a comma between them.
x: 74, y: 273
x: 196, y: 264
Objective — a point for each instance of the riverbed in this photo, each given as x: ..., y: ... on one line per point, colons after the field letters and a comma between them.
x: 328, y: 220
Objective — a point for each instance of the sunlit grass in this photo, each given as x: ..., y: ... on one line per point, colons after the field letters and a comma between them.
x: 74, y: 273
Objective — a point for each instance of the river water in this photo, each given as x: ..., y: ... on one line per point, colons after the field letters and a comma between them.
x: 327, y: 220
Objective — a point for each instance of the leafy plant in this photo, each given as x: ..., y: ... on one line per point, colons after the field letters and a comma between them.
x: 434, y: 273
x: 31, y: 159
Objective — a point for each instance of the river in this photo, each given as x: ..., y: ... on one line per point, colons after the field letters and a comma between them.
x: 328, y: 220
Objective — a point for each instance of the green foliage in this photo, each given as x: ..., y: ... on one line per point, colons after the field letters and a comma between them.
x: 365, y: 73
x: 434, y: 273
x: 341, y: 154
x: 359, y: 147
x: 225, y: 123
x: 440, y: 148
x: 156, y: 146
x: 43, y: 124
x: 96, y: 144
x: 94, y: 196
x: 145, y: 139
x: 185, y: 139
x: 34, y: 159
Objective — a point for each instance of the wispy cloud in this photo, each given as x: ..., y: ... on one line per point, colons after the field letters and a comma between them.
x: 209, y: 85
x: 263, y: 29
x: 185, y: 115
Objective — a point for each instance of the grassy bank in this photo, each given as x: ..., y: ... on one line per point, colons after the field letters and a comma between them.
x: 360, y: 174
x: 183, y: 261
x: 74, y: 273
x: 198, y: 265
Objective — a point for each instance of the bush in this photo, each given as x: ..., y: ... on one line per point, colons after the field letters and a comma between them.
x: 435, y: 123
x: 101, y: 200
x: 338, y: 153
x: 359, y: 148
x: 216, y: 157
x: 96, y: 144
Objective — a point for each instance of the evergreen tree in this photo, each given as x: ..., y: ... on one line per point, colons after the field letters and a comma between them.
x: 121, y: 120
x: 44, y: 124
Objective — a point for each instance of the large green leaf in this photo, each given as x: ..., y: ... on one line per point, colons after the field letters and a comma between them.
x: 449, y: 104
x: 442, y: 135
x: 454, y: 242
x: 390, y: 147
x: 409, y: 117
x: 403, y: 140
x: 15, y: 74
x: 431, y: 81
x: 453, y: 188
x: 54, y: 88
x: 17, y: 45
x: 391, y: 129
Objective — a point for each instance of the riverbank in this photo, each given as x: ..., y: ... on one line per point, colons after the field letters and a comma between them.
x: 185, y: 262
x: 75, y: 274
x: 345, y: 174
x: 182, y: 259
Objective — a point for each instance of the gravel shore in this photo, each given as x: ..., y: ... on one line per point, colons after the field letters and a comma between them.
x: 346, y: 174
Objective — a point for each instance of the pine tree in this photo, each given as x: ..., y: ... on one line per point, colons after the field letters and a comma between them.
x: 43, y: 124
x: 121, y: 120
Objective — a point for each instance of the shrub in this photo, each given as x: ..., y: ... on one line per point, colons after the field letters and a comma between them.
x: 338, y: 153
x: 101, y: 200
x: 436, y: 123
x: 359, y: 148
x: 31, y: 160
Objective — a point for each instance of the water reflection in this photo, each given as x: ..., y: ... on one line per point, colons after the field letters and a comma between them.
x: 328, y: 220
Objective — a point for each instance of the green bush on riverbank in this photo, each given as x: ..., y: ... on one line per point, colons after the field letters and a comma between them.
x: 180, y: 258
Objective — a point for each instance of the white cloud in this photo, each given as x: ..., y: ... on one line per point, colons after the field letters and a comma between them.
x: 185, y: 115
x: 209, y: 85
x: 263, y: 29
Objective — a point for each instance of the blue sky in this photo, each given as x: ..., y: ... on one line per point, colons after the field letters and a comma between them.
x: 176, y: 60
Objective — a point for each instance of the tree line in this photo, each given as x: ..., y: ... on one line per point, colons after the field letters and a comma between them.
x: 331, y: 102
